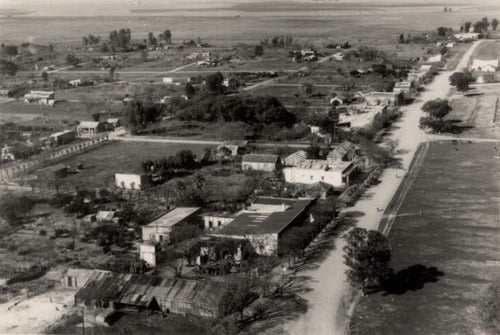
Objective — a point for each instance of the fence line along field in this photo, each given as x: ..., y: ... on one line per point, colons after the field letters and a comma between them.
x: 445, y: 249
x: 101, y: 164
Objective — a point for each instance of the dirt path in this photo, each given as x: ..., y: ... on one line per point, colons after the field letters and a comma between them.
x: 328, y: 282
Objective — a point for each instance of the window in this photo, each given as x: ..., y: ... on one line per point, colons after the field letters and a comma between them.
x: 219, y: 223
x: 210, y: 224
x: 322, y: 177
x: 311, y: 177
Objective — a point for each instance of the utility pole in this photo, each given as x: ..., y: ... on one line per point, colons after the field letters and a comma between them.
x: 83, y: 321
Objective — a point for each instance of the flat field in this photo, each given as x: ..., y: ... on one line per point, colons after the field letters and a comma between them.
x: 101, y: 164
x: 445, y: 248
x: 478, y: 111
x: 487, y: 50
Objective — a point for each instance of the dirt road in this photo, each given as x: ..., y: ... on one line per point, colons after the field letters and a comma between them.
x: 328, y: 282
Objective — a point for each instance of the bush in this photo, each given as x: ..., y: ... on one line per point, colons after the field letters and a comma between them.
x: 12, y: 208
x: 43, y: 232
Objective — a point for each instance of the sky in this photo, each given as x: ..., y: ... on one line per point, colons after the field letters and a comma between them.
x: 122, y: 7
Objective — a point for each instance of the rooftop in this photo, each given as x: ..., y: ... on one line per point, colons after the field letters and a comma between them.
x: 270, y: 216
x: 174, y: 216
x: 89, y: 124
x: 260, y: 158
x: 139, y: 290
x: 341, y: 150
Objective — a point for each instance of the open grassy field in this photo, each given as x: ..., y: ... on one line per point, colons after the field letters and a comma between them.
x: 478, y: 111
x: 308, y: 24
x: 487, y: 50
x: 101, y: 164
x: 445, y: 248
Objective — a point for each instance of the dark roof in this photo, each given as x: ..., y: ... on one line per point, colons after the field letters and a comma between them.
x: 266, y: 222
x: 321, y: 186
x: 341, y: 150
x: 139, y: 290
x: 258, y: 158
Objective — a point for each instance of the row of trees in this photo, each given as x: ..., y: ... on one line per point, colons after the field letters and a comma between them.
x: 211, y: 108
x: 277, y: 42
x: 7, y: 68
x: 139, y: 114
x: 481, y: 26
x: 183, y: 159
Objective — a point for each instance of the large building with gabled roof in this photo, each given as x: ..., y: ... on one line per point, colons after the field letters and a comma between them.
x: 265, y: 222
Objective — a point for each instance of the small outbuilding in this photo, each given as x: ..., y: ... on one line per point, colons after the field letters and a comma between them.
x: 260, y: 162
x: 159, y: 230
x: 132, y: 181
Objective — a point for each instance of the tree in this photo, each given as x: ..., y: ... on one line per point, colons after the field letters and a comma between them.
x: 190, y: 90
x: 166, y: 36
x: 112, y: 70
x: 437, y: 108
x: 237, y: 297
x: 45, y: 76
x: 443, y: 31
x: 9, y: 50
x: 7, y: 67
x: 258, y: 50
x: 307, y: 88
x: 152, y: 41
x: 461, y: 80
x: 467, y: 26
x: 367, y: 256
x: 72, y: 60
x: 401, y: 39
x: 494, y: 24
x: 214, y: 83
x: 481, y: 26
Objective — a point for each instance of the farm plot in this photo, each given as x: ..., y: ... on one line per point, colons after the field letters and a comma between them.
x: 445, y: 248
x: 101, y: 164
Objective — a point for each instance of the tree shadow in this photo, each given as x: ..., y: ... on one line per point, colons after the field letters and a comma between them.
x: 412, y: 278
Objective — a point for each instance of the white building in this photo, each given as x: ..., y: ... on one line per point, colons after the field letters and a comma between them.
x: 434, y: 58
x: 168, y: 80
x: 338, y: 56
x: 465, y: 37
x: 89, y: 128
x: 42, y: 97
x: 159, y: 230
x: 312, y: 171
x: 132, y: 181
x: 148, y: 253
x: 483, y: 65
x: 75, y: 83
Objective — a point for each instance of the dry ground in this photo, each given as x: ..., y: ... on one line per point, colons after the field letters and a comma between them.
x: 445, y: 247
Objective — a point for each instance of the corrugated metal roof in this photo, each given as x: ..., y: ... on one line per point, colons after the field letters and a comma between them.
x: 139, y: 290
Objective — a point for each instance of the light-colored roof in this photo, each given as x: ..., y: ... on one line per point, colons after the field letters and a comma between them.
x: 62, y: 133
x: 105, y: 215
x: 341, y: 150
x: 174, y: 216
x: 88, y: 124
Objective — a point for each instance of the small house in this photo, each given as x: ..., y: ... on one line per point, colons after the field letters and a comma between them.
x: 64, y: 137
x: 132, y: 181
x: 115, y: 122
x: 260, y: 162
x: 159, y: 230
x: 233, y: 148
x: 338, y: 56
x: 346, y: 152
x: 75, y: 83
x: 89, y: 128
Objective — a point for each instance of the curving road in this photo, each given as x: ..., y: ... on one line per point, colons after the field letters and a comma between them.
x: 328, y: 282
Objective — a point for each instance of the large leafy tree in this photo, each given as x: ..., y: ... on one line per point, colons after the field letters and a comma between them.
x: 367, y: 256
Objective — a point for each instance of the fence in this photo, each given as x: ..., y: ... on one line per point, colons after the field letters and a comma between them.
x: 15, y: 169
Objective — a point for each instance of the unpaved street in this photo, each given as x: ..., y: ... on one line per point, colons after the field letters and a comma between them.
x: 328, y: 282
